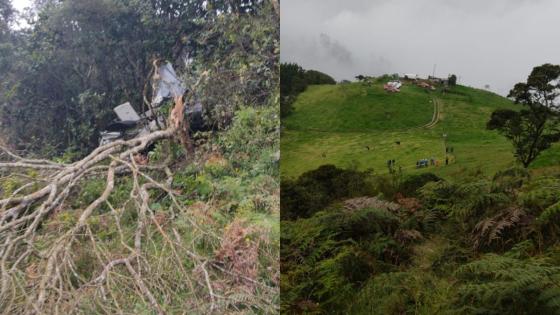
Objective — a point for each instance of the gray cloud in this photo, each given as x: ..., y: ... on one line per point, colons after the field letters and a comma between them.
x: 335, y: 49
x: 494, y: 43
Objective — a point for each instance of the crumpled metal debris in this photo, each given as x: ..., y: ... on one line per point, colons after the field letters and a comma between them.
x: 166, y: 84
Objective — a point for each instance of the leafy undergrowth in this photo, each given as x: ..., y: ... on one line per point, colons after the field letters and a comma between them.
x: 424, y: 245
x: 215, y: 248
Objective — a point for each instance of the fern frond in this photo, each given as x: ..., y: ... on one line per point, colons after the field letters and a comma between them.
x: 492, y: 230
x: 503, y: 284
x: 549, y: 213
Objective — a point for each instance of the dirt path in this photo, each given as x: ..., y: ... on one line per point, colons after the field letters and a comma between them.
x: 436, y: 116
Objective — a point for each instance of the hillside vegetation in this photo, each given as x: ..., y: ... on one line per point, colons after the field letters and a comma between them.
x: 336, y: 125
x: 358, y: 243
x: 477, y: 236
x: 146, y: 225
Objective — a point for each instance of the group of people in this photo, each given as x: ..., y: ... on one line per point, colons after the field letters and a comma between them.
x: 432, y: 162
x: 424, y: 163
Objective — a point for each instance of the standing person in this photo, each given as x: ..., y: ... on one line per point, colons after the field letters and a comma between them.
x: 446, y: 160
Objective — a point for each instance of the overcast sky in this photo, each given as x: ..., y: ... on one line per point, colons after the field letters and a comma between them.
x: 21, y: 4
x: 494, y: 42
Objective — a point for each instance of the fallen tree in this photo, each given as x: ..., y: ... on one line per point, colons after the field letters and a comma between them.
x: 21, y: 216
x: 25, y: 211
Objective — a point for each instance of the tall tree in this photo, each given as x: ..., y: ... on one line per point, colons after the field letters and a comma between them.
x: 534, y: 128
x: 452, y: 80
x: 360, y: 77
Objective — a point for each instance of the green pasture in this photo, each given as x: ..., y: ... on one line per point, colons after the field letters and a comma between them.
x: 335, y: 124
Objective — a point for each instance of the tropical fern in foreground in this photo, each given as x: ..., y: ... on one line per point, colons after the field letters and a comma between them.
x: 505, y: 284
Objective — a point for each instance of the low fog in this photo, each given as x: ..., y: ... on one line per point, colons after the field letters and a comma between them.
x: 485, y: 43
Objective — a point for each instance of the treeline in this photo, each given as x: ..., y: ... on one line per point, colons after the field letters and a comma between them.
x: 294, y: 80
x: 80, y: 58
x: 421, y: 244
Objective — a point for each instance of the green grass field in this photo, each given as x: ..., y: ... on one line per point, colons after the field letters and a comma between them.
x: 333, y: 124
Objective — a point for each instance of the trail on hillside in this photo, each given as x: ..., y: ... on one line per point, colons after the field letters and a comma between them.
x: 436, y: 116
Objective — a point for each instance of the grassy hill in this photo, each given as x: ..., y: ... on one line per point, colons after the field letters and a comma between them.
x: 337, y: 124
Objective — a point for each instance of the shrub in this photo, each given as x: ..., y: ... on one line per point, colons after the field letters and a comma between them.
x: 315, y: 189
x: 411, y: 184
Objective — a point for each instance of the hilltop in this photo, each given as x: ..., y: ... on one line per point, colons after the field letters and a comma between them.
x: 360, y: 124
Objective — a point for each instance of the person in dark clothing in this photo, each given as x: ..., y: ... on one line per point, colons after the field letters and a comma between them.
x: 446, y: 160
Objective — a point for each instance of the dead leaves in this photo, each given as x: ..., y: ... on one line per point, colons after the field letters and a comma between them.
x: 239, y: 252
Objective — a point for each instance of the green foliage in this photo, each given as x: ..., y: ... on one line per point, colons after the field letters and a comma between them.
x: 238, y: 57
x: 315, y: 189
x: 411, y: 184
x: 452, y: 80
x: 510, y: 179
x: 314, y: 77
x: 252, y: 140
x: 550, y: 211
x: 508, y: 285
x: 294, y: 80
x: 464, y: 202
x: 81, y: 58
x: 534, y: 128
x: 9, y: 185
x: 409, y: 292
x: 326, y: 258
x: 328, y: 255
x: 540, y: 193
x: 480, y: 245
